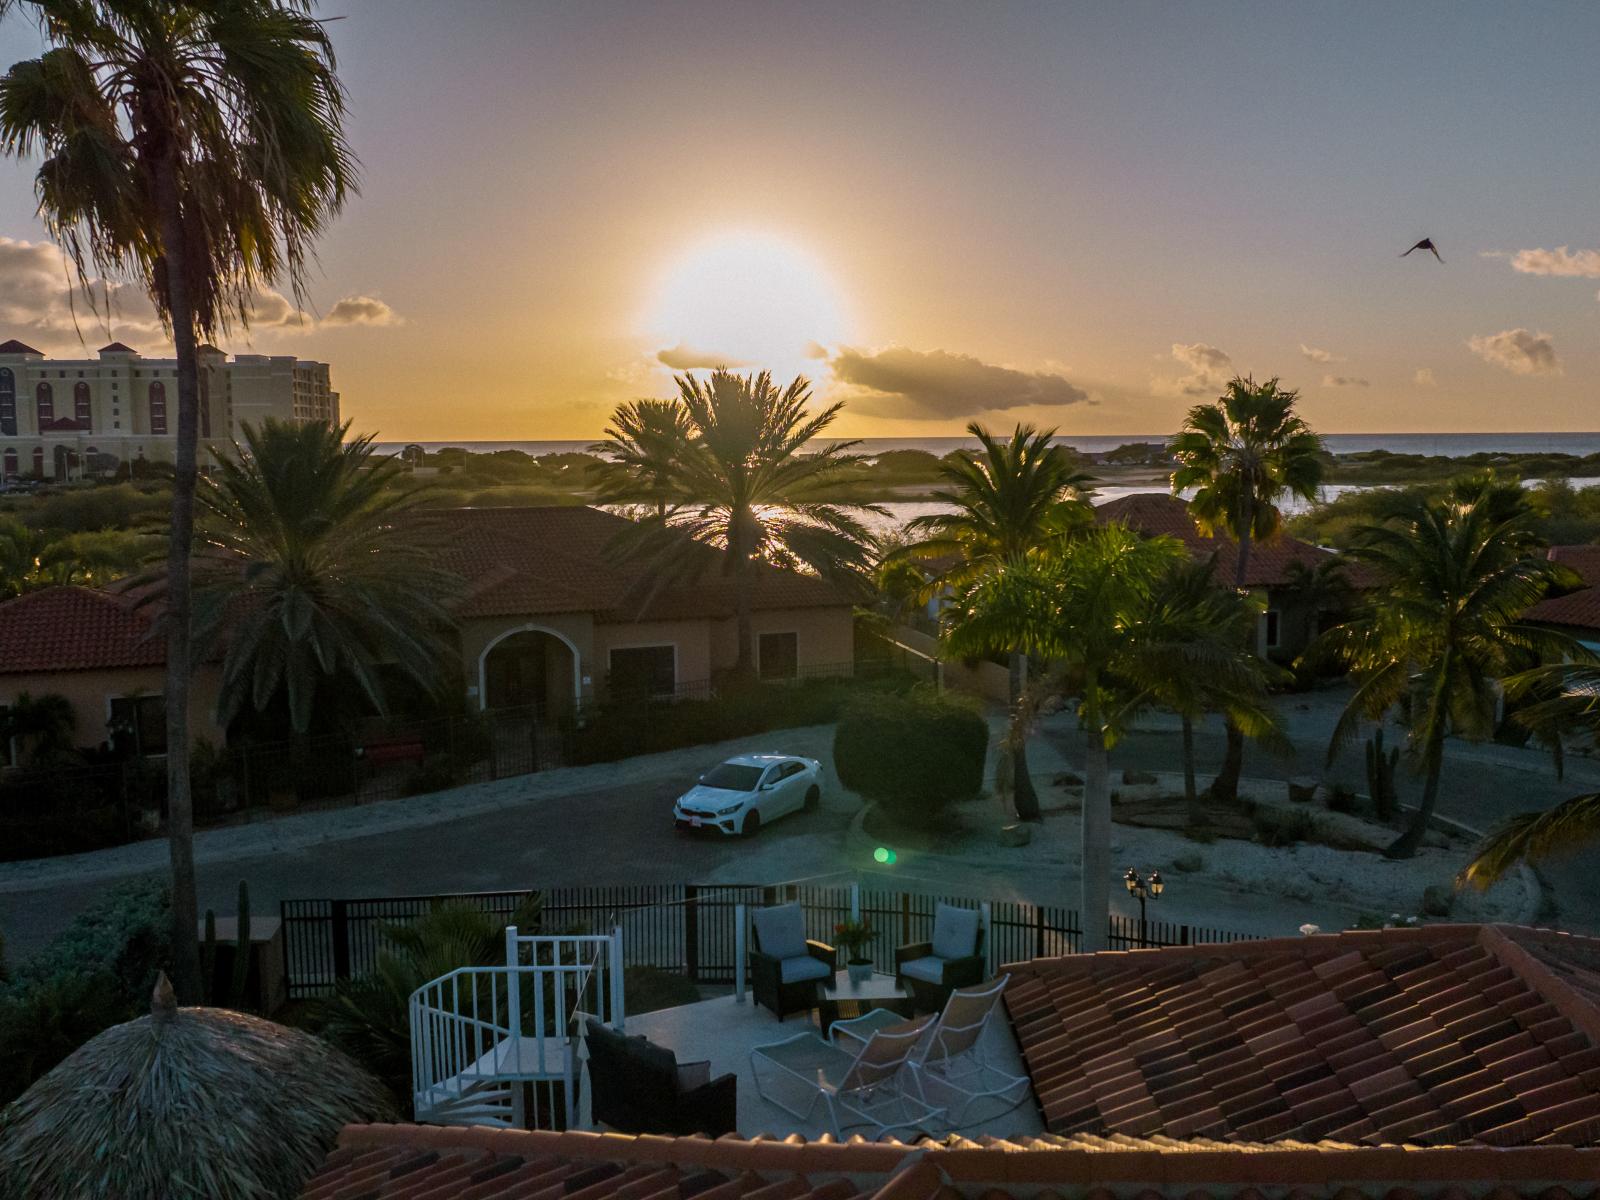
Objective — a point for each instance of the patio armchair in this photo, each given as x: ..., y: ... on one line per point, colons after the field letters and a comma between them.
x: 931, y: 970
x: 638, y: 1087
x: 786, y: 967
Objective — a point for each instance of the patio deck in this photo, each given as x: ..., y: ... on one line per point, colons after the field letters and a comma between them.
x: 725, y: 1031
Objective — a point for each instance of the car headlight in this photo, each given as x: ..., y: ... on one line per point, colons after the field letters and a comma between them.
x: 732, y: 808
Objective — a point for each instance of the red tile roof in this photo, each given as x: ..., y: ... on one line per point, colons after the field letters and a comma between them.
x: 12, y: 346
x: 1158, y: 513
x: 1429, y: 1036
x: 75, y: 629
x: 560, y: 559
x: 388, y: 1162
x: 1585, y: 560
x: 1579, y: 609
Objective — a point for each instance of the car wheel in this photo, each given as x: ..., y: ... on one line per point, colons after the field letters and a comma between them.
x: 751, y: 826
x: 813, y: 798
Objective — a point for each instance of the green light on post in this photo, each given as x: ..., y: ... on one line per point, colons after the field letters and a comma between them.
x: 884, y: 855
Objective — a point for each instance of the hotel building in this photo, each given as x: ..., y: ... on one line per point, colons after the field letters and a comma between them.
x: 63, y: 419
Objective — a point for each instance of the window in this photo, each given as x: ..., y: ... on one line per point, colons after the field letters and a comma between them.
x: 158, y: 408
x: 778, y: 655
x: 1272, y: 628
x: 38, y: 462
x: 8, y: 465
x: 44, y: 401
x: 138, y: 724
x: 82, y: 409
x: 644, y: 671
x: 8, y: 403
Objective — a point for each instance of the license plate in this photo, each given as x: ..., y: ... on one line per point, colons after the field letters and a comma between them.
x: 694, y: 822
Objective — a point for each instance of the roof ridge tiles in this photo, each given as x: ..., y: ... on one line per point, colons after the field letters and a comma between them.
x: 1539, y: 976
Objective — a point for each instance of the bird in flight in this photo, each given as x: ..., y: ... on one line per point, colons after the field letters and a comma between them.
x: 1425, y: 244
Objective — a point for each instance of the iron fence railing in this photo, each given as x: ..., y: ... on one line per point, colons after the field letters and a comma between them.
x: 692, y: 929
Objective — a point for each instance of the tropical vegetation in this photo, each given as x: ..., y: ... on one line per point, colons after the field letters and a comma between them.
x: 1456, y: 572
x: 1016, y: 500
x: 914, y: 753
x: 196, y: 150
x: 733, y: 472
x: 32, y: 558
x: 1243, y: 455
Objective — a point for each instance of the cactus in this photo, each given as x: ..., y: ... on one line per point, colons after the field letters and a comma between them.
x: 1380, y: 777
x: 208, y: 958
x: 241, y: 949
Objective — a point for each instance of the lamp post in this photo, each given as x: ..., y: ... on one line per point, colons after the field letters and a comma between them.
x: 1143, y: 889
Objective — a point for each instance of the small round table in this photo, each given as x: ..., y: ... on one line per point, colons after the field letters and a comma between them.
x: 842, y: 999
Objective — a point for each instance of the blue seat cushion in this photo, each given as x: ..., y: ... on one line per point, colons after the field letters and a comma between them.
x: 781, y: 930
x: 955, y: 931
x: 929, y: 969
x: 802, y: 967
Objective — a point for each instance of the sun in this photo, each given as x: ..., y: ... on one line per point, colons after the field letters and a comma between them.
x: 750, y: 300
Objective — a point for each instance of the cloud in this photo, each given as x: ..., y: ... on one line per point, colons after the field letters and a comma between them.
x: 1319, y: 356
x: 1518, y: 351
x: 1572, y: 264
x: 938, y: 384
x: 273, y: 310
x: 1424, y: 377
x: 816, y: 350
x: 362, y: 310
x: 1339, y: 381
x: 1209, y: 371
x: 41, y: 304
x: 682, y: 358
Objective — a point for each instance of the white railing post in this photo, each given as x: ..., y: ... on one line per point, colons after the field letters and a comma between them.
x: 988, y: 936
x: 519, y: 1115
x: 738, y: 953
x: 511, y: 945
x: 618, y: 1001
x: 855, y: 902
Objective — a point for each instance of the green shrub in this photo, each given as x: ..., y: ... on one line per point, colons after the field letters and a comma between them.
x: 1279, y: 828
x: 912, y: 753
x: 1437, y: 900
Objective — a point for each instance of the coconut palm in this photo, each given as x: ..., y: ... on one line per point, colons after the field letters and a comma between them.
x: 184, y: 1102
x: 644, y: 436
x: 38, y: 558
x: 308, y: 584
x: 1456, y: 571
x: 1016, y: 499
x: 1190, y: 615
x: 195, y: 149
x: 744, y: 483
x: 1089, y: 610
x: 1243, y: 454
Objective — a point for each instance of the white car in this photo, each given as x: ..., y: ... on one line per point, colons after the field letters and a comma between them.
x: 741, y: 795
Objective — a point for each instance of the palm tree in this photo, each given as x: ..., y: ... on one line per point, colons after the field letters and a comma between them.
x: 308, y: 583
x: 644, y: 436
x: 1457, y: 571
x: 1242, y: 455
x: 1017, y: 499
x: 1189, y: 614
x: 197, y: 149
x: 743, y: 483
x: 38, y: 558
x: 1088, y: 610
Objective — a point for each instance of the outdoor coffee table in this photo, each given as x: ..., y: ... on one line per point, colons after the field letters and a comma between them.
x: 842, y: 999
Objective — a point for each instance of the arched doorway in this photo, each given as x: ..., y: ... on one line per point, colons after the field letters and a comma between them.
x: 529, y: 667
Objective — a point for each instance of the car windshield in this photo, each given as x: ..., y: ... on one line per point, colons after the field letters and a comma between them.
x: 732, y: 777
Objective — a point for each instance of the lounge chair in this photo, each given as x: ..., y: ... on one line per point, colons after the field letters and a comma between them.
x: 869, y: 1086
x: 952, y: 1057
x: 785, y: 967
x: 931, y: 970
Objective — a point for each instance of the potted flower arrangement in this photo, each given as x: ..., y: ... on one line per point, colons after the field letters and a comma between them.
x: 853, y: 937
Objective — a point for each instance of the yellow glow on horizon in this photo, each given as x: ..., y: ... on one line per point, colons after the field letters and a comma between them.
x: 748, y: 300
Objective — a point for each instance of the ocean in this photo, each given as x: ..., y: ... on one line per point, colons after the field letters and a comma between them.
x: 1454, y: 445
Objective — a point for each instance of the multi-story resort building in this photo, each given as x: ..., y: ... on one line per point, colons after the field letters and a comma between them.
x: 63, y: 419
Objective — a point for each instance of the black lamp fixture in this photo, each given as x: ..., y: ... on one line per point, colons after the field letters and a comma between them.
x: 1143, y: 889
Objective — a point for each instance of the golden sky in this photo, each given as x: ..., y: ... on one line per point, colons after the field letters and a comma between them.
x: 1087, y: 216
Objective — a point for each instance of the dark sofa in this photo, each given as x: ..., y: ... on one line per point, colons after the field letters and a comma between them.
x: 637, y: 1087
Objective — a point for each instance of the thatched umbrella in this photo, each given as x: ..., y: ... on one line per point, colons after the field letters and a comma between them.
x: 192, y: 1102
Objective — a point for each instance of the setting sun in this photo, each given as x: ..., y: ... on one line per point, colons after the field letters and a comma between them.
x: 745, y: 300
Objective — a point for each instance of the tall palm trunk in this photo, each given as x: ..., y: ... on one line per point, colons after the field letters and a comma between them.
x: 1225, y: 786
x: 1096, y: 832
x: 1409, y: 842
x: 1023, y: 796
x: 739, y: 547
x: 180, y: 801
x: 1197, y: 814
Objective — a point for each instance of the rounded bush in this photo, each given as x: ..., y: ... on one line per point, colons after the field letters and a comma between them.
x: 913, y: 753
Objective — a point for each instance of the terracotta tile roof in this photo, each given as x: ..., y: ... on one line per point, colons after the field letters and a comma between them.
x: 75, y: 629
x: 1579, y: 609
x: 558, y: 559
x: 387, y: 1162
x: 1427, y: 1036
x: 1585, y: 560
x: 12, y: 346
x: 1158, y: 513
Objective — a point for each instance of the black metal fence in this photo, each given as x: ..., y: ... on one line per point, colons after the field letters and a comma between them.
x: 692, y: 929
